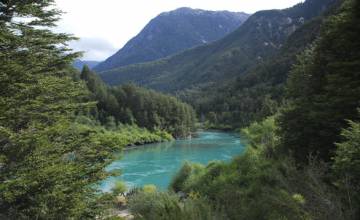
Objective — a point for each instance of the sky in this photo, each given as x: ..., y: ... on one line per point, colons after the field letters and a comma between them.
x: 105, y: 26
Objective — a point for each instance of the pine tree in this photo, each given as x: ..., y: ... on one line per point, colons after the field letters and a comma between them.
x: 48, y: 163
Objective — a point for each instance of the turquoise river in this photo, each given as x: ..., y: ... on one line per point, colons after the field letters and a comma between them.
x: 157, y: 163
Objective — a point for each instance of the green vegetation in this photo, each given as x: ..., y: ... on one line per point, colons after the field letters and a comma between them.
x: 134, y: 105
x: 155, y: 205
x: 347, y: 166
x: 120, y: 188
x: 324, y: 89
x: 127, y: 135
x: 259, y: 91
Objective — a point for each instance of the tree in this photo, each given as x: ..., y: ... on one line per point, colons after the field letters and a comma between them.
x: 324, y: 88
x: 48, y: 163
x: 347, y: 166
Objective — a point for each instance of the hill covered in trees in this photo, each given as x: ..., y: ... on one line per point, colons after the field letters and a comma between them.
x: 130, y: 104
x: 172, y: 32
x: 259, y: 91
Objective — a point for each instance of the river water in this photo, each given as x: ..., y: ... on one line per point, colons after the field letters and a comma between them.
x: 157, y: 163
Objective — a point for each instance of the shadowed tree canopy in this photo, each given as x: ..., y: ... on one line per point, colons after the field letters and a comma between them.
x: 324, y: 88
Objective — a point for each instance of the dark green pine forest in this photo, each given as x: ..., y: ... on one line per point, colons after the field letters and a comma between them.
x: 287, y: 80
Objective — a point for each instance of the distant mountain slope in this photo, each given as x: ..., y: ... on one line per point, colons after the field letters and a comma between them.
x: 259, y: 38
x: 78, y: 64
x: 259, y: 91
x: 172, y: 32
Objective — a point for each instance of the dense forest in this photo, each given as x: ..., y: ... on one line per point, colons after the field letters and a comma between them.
x: 130, y: 104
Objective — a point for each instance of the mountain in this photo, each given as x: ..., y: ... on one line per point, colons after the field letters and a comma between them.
x: 258, y: 92
x: 78, y: 64
x: 261, y: 37
x: 172, y: 32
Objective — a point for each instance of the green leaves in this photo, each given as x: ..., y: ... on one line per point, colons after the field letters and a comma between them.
x: 323, y: 89
x: 347, y: 159
x: 130, y: 104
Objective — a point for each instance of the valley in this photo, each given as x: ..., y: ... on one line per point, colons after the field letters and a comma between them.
x: 204, y: 114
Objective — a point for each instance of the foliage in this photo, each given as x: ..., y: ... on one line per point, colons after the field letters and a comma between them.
x: 262, y: 136
x: 255, y: 187
x: 120, y: 188
x: 347, y: 167
x: 134, y: 105
x: 156, y: 205
x: 178, y: 181
x: 149, y: 188
x: 324, y: 89
x: 163, y: 205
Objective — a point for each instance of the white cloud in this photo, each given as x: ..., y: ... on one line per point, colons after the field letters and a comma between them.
x: 114, y: 22
x: 94, y: 48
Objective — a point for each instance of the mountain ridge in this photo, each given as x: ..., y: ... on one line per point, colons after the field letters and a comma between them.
x: 172, y: 32
x: 260, y: 37
x: 79, y: 64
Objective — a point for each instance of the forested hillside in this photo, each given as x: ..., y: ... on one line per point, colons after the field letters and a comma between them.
x: 129, y: 104
x: 258, y: 92
x: 172, y: 32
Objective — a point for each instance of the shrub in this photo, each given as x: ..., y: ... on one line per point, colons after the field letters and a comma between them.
x: 155, y: 206
x: 149, y: 188
x: 120, y: 188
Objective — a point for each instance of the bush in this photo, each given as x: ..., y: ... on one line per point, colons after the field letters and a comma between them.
x: 187, y: 170
x: 167, y: 206
x: 149, y: 188
x: 157, y: 206
x: 120, y: 188
x: 262, y: 136
x: 347, y: 168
